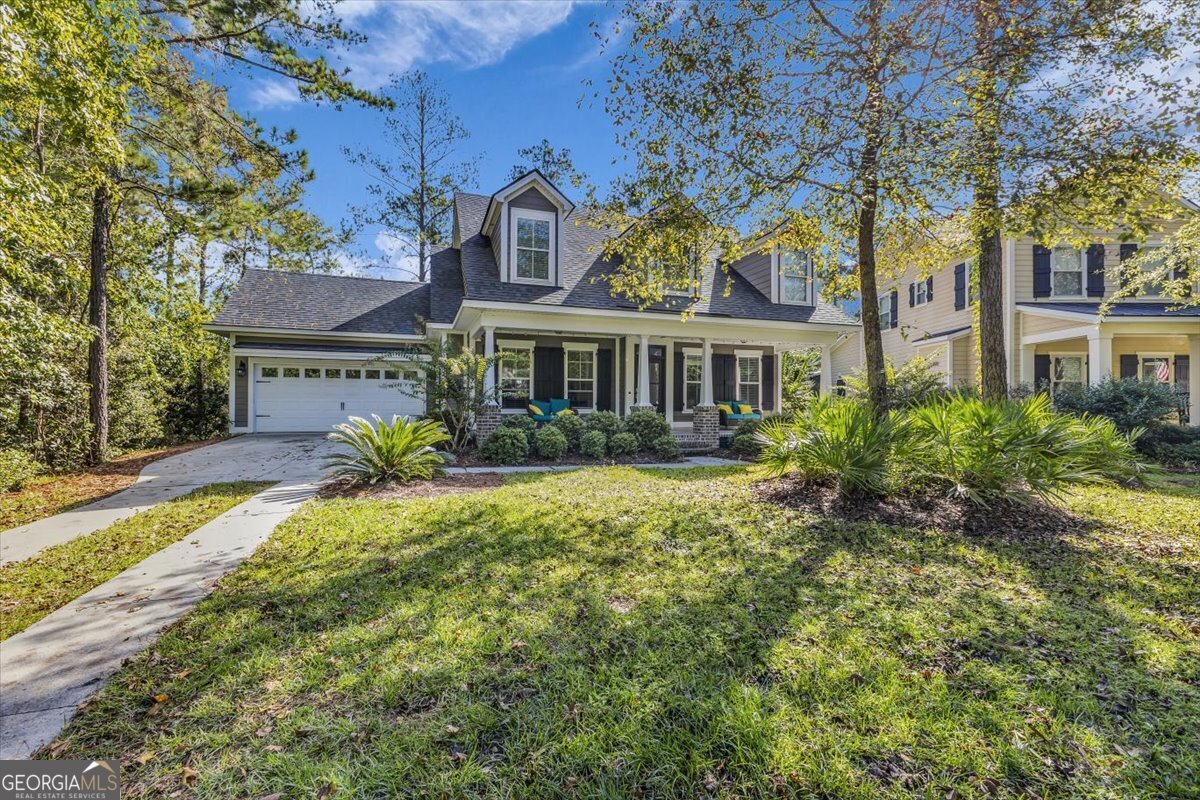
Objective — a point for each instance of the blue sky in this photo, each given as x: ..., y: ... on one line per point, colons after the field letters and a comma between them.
x: 514, y: 71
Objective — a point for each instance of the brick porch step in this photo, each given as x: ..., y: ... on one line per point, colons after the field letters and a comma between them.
x: 691, y: 443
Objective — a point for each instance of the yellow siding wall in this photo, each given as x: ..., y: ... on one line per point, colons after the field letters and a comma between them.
x: 937, y: 316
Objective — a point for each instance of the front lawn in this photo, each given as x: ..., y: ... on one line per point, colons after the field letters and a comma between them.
x: 54, y: 494
x: 621, y: 633
x: 31, y: 589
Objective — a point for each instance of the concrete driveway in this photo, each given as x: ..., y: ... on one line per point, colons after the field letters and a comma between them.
x: 287, y: 458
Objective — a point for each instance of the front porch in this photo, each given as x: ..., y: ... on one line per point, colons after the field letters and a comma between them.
x: 680, y: 369
x: 1055, y: 357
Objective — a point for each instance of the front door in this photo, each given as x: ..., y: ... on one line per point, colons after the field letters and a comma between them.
x: 658, y: 377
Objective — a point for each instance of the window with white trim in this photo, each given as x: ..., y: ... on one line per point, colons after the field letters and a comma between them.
x: 516, y: 372
x: 693, y: 374
x: 1066, y: 372
x: 1066, y: 272
x: 580, y: 375
x: 920, y: 292
x: 795, y: 278
x: 1155, y: 367
x: 533, y: 245
x: 749, y: 378
x: 1153, y: 262
x: 885, y: 311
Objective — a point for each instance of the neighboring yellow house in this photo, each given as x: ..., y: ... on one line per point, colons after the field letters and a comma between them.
x: 1055, y: 336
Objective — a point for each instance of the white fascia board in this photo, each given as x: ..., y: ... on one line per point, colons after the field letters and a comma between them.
x: 1055, y: 336
x: 946, y: 337
x: 301, y: 333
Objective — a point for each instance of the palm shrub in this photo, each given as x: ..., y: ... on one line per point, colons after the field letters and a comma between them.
x: 551, y: 442
x: 401, y: 449
x: 834, y: 441
x: 648, y: 426
x: 506, y: 445
x: 1012, y: 451
x: 593, y: 444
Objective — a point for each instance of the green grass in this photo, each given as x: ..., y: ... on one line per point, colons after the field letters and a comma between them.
x: 616, y: 633
x: 31, y: 589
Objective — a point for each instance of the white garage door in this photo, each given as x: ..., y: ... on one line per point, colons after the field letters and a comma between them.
x: 301, y: 395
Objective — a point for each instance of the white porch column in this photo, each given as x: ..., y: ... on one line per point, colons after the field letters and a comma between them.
x: 489, y: 350
x: 643, y: 389
x: 706, y: 376
x: 826, y: 369
x: 1194, y: 379
x: 1027, y: 363
x: 1099, y: 356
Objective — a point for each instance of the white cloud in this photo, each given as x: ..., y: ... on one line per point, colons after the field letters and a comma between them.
x: 467, y: 34
x: 400, y: 255
x: 274, y: 94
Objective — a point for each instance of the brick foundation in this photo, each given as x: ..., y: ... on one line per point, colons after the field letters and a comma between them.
x: 486, y: 423
x: 642, y: 408
x: 706, y: 422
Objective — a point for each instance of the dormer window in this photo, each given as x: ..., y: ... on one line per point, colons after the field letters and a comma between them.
x: 533, y: 245
x: 795, y: 278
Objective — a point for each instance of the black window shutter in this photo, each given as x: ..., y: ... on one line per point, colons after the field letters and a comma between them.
x: 929, y: 288
x: 1041, y: 373
x: 1129, y: 365
x: 1182, y: 371
x: 1095, y: 271
x: 960, y: 286
x: 604, y: 380
x: 1128, y: 251
x: 547, y: 374
x: 912, y: 295
x: 724, y: 367
x: 678, y: 382
x: 895, y: 308
x: 1041, y: 271
x: 768, y: 383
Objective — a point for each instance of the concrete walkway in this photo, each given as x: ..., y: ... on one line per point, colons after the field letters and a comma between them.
x: 52, y: 666
x: 250, y: 458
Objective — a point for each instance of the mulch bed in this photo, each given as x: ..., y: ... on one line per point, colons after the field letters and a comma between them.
x: 447, y: 484
x: 924, y: 511
x: 569, y: 460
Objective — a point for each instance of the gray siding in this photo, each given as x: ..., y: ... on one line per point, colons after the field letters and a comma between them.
x: 532, y: 198
x: 717, y: 349
x: 241, y: 394
x: 756, y: 268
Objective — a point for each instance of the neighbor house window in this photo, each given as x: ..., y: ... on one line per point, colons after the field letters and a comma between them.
x: 693, y: 374
x: 1066, y: 372
x: 885, y: 311
x: 1154, y: 261
x: 920, y: 293
x: 1066, y: 269
x: 533, y: 242
x: 795, y: 277
x: 581, y: 375
x: 516, y: 372
x: 749, y: 378
x: 268, y: 372
x: 1156, y: 368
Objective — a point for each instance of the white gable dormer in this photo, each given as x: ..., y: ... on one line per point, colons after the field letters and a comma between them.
x: 524, y: 223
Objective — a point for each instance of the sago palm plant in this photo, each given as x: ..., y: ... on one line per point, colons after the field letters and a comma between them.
x: 401, y: 450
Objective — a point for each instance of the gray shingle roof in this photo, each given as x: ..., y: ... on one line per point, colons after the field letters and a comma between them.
x: 940, y: 334
x: 1139, y: 308
x: 446, y: 285
x: 325, y: 303
x: 583, y: 268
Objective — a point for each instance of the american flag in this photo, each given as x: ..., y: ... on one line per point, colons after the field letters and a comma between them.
x: 1162, y: 372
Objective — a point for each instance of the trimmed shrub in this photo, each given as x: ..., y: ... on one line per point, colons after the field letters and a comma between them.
x: 606, y: 422
x: 623, y: 444
x: 522, y: 422
x: 1172, y: 445
x: 745, y: 442
x: 1129, y: 403
x: 17, y: 469
x: 507, y: 445
x: 551, y: 442
x: 648, y: 426
x: 593, y: 444
x: 665, y: 448
x: 401, y: 449
x: 571, y: 427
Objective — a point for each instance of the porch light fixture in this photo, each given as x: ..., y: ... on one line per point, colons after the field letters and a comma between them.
x: 241, y: 369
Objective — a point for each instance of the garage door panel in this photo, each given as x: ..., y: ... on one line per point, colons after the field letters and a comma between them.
x: 299, y: 395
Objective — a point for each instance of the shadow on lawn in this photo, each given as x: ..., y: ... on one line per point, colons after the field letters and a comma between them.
x: 628, y: 635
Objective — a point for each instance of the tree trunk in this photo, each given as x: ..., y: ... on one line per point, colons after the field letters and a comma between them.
x: 875, y: 366
x: 98, y: 319
x: 993, y: 368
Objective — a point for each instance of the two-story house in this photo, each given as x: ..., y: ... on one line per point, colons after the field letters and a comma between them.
x: 1054, y: 331
x: 524, y: 274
